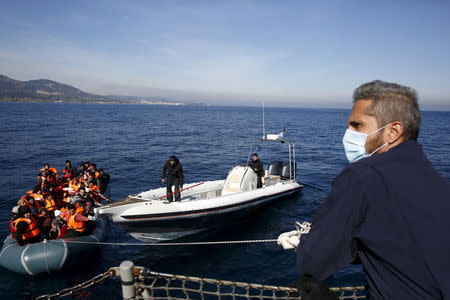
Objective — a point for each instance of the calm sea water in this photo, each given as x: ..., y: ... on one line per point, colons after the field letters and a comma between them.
x: 131, y: 142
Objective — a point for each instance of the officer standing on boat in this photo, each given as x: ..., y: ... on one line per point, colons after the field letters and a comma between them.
x: 388, y: 209
x: 172, y: 174
x: 258, y: 167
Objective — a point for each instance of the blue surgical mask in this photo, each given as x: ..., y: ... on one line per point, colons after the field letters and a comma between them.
x: 355, y: 144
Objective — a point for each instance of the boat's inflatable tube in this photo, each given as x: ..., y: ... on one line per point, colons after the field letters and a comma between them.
x: 49, y: 256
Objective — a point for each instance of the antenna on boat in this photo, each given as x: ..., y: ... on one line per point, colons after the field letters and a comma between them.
x: 264, y: 123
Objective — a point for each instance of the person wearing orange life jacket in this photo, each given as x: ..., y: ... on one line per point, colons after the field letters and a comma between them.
x: 26, y: 227
x: 48, y: 179
x: 64, y: 215
x: 45, y: 179
x: 85, y: 199
x: 30, y: 202
x: 37, y: 194
x: 53, y: 172
x: 50, y: 204
x: 77, y: 222
x: 69, y: 171
x: 78, y: 207
x: 74, y: 184
x: 94, y: 191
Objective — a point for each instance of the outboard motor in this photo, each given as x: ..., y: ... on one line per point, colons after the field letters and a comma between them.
x: 285, y: 174
x: 275, y: 168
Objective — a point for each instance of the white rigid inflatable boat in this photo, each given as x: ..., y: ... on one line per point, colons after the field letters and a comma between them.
x: 149, y: 217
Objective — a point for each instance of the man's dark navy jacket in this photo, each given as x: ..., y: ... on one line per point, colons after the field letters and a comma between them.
x: 392, y: 211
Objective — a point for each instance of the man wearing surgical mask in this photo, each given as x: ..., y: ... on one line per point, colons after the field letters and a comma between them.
x: 388, y: 209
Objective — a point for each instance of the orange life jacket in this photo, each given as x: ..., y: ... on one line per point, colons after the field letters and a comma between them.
x: 76, y: 187
x: 93, y: 192
x: 77, y: 226
x: 80, y: 209
x: 65, y: 215
x: 31, y: 232
x: 50, y: 204
x: 38, y: 197
x: 54, y: 171
x: 95, y: 189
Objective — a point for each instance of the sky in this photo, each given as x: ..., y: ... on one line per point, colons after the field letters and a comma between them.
x: 283, y: 53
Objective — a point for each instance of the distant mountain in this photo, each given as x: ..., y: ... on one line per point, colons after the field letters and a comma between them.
x: 44, y: 90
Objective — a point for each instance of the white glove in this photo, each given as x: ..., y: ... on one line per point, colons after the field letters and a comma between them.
x: 289, y: 240
x: 91, y: 218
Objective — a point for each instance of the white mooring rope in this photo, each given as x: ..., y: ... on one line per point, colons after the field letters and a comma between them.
x: 176, y: 244
x: 302, y: 228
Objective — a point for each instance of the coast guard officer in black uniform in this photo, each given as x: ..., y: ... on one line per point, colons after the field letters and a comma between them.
x: 172, y: 174
x: 389, y: 209
x: 258, y: 167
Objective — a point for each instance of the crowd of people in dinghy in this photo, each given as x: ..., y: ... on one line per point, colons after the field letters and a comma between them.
x: 60, y: 205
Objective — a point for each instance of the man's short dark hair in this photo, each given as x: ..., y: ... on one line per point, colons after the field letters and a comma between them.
x: 392, y: 102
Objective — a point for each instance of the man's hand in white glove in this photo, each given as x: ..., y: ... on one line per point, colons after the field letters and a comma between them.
x: 91, y: 218
x: 289, y: 240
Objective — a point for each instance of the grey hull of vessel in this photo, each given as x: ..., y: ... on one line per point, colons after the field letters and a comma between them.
x: 49, y: 256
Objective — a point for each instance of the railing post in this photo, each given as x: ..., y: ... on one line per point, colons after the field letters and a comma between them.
x: 127, y: 278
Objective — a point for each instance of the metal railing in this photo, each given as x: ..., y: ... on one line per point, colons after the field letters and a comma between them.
x: 141, y: 283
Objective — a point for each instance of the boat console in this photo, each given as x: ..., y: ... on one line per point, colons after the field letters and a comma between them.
x: 240, y: 179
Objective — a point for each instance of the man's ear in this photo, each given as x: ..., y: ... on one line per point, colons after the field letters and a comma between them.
x: 395, y: 132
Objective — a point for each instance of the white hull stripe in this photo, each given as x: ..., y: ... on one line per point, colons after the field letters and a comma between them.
x: 6, y: 248
x: 22, y: 259
x: 63, y: 260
